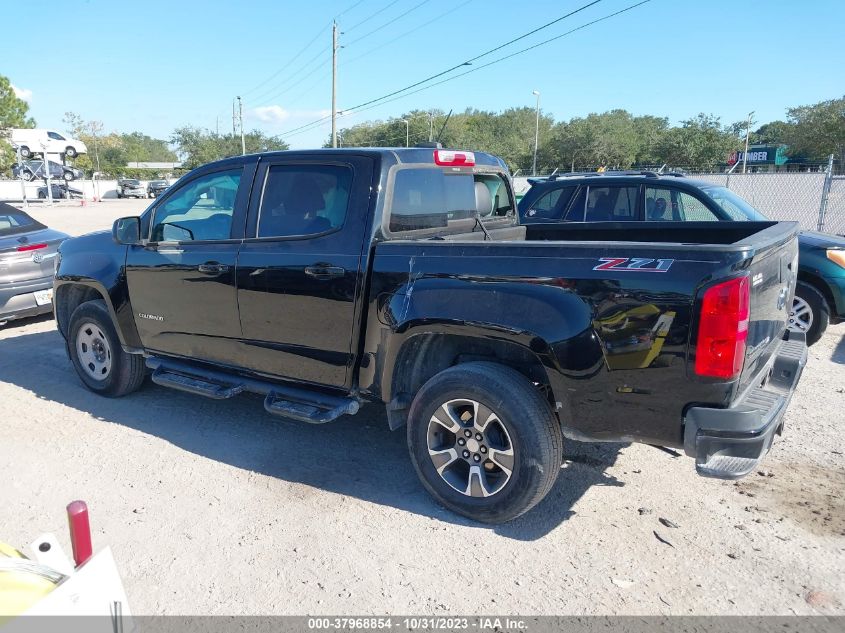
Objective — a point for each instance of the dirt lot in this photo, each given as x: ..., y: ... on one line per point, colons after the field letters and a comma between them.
x: 216, y: 507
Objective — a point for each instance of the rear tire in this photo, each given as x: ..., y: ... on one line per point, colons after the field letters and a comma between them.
x: 516, y: 461
x: 70, y: 152
x: 67, y: 176
x: 97, y: 356
x: 810, y: 313
x: 25, y: 152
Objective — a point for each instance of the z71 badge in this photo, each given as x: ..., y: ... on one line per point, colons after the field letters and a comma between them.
x: 634, y: 264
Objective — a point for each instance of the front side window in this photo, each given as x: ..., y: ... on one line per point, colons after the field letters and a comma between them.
x: 431, y: 198
x: 671, y: 205
x: 301, y: 200
x: 201, y: 209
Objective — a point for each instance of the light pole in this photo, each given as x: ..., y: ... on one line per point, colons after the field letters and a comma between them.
x: 747, y: 134
x: 536, y: 132
x: 407, y: 131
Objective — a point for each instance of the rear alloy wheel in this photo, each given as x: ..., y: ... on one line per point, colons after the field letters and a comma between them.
x: 96, y: 353
x: 484, y: 441
x: 68, y: 176
x: 809, y: 314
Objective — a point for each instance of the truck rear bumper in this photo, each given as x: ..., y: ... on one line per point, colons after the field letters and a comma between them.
x: 729, y: 443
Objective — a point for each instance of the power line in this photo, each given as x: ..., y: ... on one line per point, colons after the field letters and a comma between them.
x: 322, y: 77
x: 291, y: 61
x: 385, y: 99
x: 370, y: 17
x: 388, y: 23
x: 409, y: 32
x: 305, y: 67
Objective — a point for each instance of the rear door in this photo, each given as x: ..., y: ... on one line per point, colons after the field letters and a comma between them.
x: 300, y: 269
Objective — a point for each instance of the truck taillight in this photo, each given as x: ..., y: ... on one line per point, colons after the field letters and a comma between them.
x: 453, y: 158
x: 723, y: 329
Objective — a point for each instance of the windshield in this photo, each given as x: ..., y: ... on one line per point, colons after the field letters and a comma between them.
x: 737, y: 208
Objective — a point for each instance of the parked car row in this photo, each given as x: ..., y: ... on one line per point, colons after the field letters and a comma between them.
x: 134, y: 188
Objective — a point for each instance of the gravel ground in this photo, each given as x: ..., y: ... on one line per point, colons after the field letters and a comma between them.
x: 216, y: 507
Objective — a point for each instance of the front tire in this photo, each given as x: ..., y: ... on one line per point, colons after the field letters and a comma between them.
x: 70, y: 152
x: 514, y: 463
x: 97, y: 356
x: 810, y: 313
x: 67, y: 176
x: 25, y: 152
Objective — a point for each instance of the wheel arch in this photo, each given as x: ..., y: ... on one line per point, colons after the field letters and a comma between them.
x: 819, y: 284
x: 70, y: 295
x: 422, y: 353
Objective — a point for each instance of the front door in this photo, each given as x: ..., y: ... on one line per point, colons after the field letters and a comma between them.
x: 182, y: 283
x: 299, y: 270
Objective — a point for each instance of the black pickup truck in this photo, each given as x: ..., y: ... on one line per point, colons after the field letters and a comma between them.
x: 324, y: 279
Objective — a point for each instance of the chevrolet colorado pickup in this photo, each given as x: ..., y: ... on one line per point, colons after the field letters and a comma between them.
x: 323, y: 279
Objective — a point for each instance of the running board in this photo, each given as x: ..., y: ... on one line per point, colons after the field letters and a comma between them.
x: 298, y: 403
x: 195, y: 385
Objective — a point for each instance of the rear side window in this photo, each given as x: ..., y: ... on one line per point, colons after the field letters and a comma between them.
x: 604, y: 204
x: 429, y: 198
x: 671, y: 205
x: 550, y: 206
x: 302, y: 200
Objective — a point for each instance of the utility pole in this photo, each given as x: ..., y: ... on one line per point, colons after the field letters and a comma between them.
x: 747, y: 134
x: 536, y: 132
x: 430, y: 126
x: 407, y: 131
x: 241, y: 119
x: 234, y: 119
x: 334, y: 83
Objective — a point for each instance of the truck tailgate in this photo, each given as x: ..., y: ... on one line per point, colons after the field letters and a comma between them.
x: 772, y: 273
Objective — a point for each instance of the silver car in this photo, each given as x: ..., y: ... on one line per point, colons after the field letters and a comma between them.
x: 28, y: 252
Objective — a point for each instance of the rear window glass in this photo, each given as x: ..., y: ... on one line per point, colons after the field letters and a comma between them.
x: 430, y: 199
x: 14, y: 221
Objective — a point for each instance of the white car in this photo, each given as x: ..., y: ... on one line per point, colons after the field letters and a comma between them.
x: 39, y: 140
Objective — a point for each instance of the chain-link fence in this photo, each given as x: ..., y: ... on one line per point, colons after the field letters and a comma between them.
x: 778, y: 196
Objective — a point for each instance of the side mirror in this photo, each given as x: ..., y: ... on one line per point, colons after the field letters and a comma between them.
x: 127, y: 230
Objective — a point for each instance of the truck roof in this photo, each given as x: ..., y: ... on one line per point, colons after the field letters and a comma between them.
x: 407, y: 155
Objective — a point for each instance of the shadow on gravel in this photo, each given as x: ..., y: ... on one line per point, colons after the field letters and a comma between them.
x: 357, y: 456
x: 838, y: 355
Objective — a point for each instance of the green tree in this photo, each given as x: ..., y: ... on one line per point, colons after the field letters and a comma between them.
x: 818, y: 129
x: 13, y: 114
x: 699, y: 142
x: 197, y: 146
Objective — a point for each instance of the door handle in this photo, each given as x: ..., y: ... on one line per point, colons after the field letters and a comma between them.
x: 324, y: 271
x: 212, y: 268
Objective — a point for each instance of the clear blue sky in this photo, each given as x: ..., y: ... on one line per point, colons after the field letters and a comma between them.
x: 152, y: 66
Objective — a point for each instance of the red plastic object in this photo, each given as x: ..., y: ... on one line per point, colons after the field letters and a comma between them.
x: 80, y: 531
